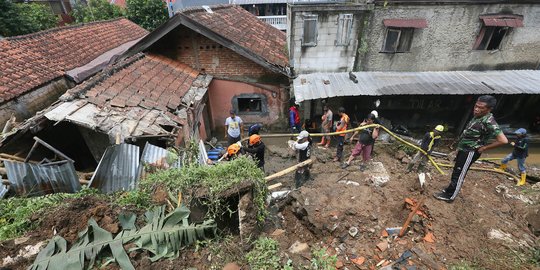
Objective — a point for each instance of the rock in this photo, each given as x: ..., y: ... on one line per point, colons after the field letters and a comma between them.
x: 298, y: 247
x: 400, y: 154
x: 405, y: 160
x: 231, y: 266
x: 339, y: 264
x: 536, y: 186
x: 20, y: 240
x: 533, y: 220
x: 507, y: 239
x: 277, y: 232
x: 382, y: 246
x: 24, y: 253
x: 378, y: 174
x: 353, y: 231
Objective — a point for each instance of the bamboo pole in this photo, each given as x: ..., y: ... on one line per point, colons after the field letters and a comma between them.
x: 288, y: 170
x: 81, y: 181
x: 12, y: 157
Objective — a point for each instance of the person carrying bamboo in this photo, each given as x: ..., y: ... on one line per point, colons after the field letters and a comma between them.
x: 520, y: 153
x: 429, y: 141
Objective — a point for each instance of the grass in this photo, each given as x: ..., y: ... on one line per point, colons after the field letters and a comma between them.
x: 321, y: 260
x: 264, y: 255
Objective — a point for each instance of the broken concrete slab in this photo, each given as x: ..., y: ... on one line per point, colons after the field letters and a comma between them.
x: 298, y: 247
x: 378, y: 174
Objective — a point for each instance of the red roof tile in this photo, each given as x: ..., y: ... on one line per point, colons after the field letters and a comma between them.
x: 31, y: 60
x: 151, y: 82
x: 245, y: 29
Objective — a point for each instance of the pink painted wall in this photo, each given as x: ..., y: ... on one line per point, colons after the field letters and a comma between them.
x: 221, y: 93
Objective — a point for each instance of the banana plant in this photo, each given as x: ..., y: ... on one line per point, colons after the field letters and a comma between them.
x: 163, y: 236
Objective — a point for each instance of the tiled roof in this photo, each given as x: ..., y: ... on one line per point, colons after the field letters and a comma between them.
x: 31, y: 60
x: 245, y: 29
x: 152, y: 82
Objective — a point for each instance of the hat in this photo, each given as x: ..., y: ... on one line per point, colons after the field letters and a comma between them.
x: 232, y: 112
x: 439, y: 128
x: 374, y: 112
x: 520, y: 131
x: 254, y: 139
x: 233, y: 149
x: 303, y: 134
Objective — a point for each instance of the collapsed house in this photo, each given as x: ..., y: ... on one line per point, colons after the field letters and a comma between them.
x: 37, y: 68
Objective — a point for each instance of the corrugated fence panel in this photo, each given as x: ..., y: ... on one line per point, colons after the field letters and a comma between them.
x: 117, y: 169
x: 32, y: 179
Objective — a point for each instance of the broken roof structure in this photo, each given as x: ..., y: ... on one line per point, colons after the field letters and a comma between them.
x: 29, y: 61
x: 325, y: 85
x: 232, y: 27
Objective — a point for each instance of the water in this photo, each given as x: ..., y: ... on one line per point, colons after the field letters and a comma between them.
x: 501, y: 152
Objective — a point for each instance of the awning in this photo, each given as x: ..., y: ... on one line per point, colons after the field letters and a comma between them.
x: 405, y: 23
x: 325, y: 85
x: 503, y: 20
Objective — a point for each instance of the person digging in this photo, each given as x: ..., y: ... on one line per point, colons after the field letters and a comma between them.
x: 429, y: 141
x: 303, y: 151
x: 256, y: 149
x: 472, y: 143
x: 365, y: 143
x: 520, y: 153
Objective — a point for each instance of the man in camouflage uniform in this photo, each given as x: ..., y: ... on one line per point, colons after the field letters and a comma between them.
x: 472, y: 143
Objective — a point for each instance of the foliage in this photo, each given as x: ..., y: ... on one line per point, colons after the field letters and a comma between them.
x: 15, y: 212
x: 25, y: 18
x: 264, y: 254
x: 163, y: 236
x: 322, y: 261
x: 463, y: 266
x: 215, y: 179
x: 138, y: 198
x: 96, y: 10
x: 407, y: 149
x: 535, y: 257
x: 149, y: 14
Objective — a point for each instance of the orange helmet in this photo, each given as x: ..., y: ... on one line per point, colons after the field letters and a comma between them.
x: 233, y: 149
x: 254, y: 139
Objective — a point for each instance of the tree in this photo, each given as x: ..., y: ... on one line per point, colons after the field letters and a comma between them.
x: 96, y: 10
x: 149, y: 14
x: 20, y: 19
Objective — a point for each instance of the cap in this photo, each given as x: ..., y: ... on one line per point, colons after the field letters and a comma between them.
x: 233, y: 149
x: 374, y: 112
x: 439, y: 128
x: 253, y: 139
x: 232, y: 112
x: 303, y: 134
x: 520, y: 131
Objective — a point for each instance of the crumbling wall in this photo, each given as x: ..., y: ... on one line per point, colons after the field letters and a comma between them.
x: 27, y: 105
x: 447, y: 42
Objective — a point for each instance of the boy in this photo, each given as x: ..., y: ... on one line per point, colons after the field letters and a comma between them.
x: 520, y: 153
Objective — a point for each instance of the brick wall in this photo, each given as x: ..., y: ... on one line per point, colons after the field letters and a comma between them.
x: 200, y: 53
x: 27, y: 105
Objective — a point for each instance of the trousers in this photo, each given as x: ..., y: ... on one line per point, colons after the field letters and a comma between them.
x: 464, y: 160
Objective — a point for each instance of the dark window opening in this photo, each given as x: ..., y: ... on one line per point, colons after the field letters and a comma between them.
x: 491, y: 37
x: 398, y: 40
x: 309, y: 37
x: 249, y: 104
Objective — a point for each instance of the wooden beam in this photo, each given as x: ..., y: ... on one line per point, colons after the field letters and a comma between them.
x: 288, y: 170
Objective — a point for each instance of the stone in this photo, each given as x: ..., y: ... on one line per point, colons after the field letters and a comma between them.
x: 277, y: 232
x: 231, y: 266
x: 382, y: 246
x: 400, y: 154
x: 533, y: 220
x: 339, y: 264
x: 298, y: 247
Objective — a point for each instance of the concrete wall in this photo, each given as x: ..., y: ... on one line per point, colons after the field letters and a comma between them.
x: 326, y: 56
x: 221, y: 94
x: 27, y: 105
x: 447, y: 42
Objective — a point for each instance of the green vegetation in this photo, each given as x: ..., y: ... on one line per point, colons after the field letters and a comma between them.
x: 464, y: 266
x: 25, y: 18
x: 96, y: 10
x: 264, y: 254
x: 321, y: 260
x: 149, y: 14
x: 16, y: 212
x: 163, y: 237
x: 214, y: 180
x: 138, y: 198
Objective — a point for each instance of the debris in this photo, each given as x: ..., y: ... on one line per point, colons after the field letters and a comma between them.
x: 277, y: 232
x: 48, y: 146
x: 288, y: 170
x: 393, y: 230
x: 339, y: 264
x: 411, y: 215
x: 353, y: 231
x: 505, y: 192
x: 274, y: 186
x: 507, y: 238
x: 533, y: 220
x: 298, y: 247
x: 353, y: 183
x: 422, y: 179
x: 381, y: 263
x: 426, y: 259
x: 231, y: 266
x: 382, y: 246
x: 378, y: 174
x: 24, y: 253
x: 358, y: 261
x: 429, y: 237
x: 384, y: 233
x: 536, y: 186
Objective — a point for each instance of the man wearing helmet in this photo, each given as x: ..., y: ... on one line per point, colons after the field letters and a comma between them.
x: 256, y: 149
x: 233, y: 151
x: 303, y: 148
x: 429, y: 141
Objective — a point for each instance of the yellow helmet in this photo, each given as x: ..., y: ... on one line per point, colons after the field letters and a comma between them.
x: 439, y: 128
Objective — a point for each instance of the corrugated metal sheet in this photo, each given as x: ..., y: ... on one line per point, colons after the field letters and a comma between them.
x: 324, y: 85
x: 203, y: 155
x: 156, y: 157
x: 28, y: 179
x: 3, y: 190
x: 118, y: 169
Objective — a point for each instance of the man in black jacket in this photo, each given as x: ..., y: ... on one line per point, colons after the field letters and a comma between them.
x: 256, y: 149
x: 428, y: 142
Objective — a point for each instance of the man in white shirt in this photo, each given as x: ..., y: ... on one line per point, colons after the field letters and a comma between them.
x: 234, y: 128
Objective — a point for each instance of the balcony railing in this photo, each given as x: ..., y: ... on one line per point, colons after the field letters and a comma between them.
x: 279, y: 22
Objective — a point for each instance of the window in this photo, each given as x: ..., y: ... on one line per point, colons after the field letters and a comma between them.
x: 494, y: 29
x: 491, y: 38
x: 343, y: 37
x: 249, y: 105
x: 398, y: 39
x: 309, y: 37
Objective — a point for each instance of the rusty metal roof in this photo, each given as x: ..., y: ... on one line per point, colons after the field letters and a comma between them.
x: 117, y: 169
x: 28, y: 179
x: 325, y: 85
